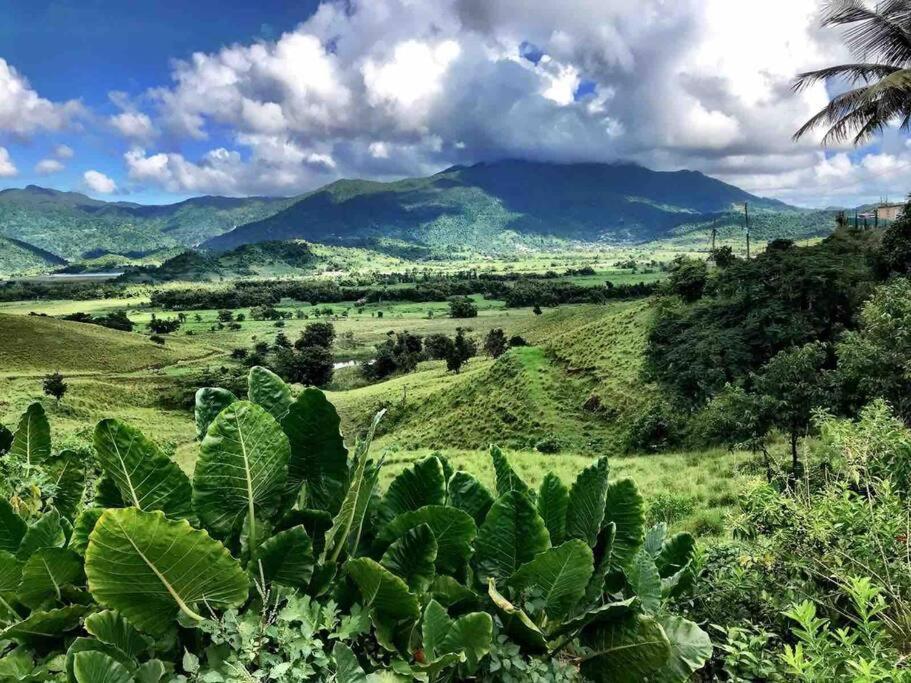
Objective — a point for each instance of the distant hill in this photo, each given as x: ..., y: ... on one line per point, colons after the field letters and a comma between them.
x: 264, y: 259
x: 490, y: 205
x: 70, y: 225
x: 17, y: 256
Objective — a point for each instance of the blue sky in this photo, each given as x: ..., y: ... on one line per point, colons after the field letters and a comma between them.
x: 86, y: 49
x: 158, y: 101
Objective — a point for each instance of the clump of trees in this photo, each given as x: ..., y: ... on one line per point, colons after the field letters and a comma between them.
x: 116, y: 320
x: 160, y: 326
x: 462, y: 307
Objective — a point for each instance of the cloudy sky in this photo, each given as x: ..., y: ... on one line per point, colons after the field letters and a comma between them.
x: 157, y: 101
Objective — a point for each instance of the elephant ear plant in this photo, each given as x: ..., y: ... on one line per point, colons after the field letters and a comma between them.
x: 279, y: 559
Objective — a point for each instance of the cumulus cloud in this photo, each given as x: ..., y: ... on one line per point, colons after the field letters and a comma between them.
x: 63, y: 152
x: 402, y: 87
x: 133, y: 125
x: 23, y: 111
x: 48, y: 167
x: 7, y: 167
x: 98, y: 182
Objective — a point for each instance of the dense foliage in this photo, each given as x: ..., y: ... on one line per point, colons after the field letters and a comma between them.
x: 280, y: 559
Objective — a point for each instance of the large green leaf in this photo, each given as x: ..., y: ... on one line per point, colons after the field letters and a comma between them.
x: 557, y: 576
x: 82, y: 527
x: 347, y: 668
x: 603, y: 557
x: 32, y: 440
x: 287, y: 558
x: 626, y: 510
x: 553, y: 499
x: 630, y: 650
x: 112, y: 628
x: 506, y: 478
x: 587, y: 498
x: 210, y: 401
x: 676, y: 553
x: 67, y: 472
x: 602, y: 614
x: 450, y: 593
x: 46, y: 532
x: 421, y: 484
x: 453, y: 529
x: 93, y: 666
x: 315, y: 522
x: 394, y: 610
x: 346, y: 527
x: 319, y: 458
x: 511, y: 535
x: 41, y: 627
x: 469, y: 636
x: 266, y: 389
x: 691, y: 648
x: 46, y: 572
x: 145, y: 477
x: 516, y: 622
x: 12, y: 527
x: 149, y: 568
x: 644, y: 581
x: 411, y: 557
x: 470, y: 495
x: 241, y: 472
x: 10, y: 572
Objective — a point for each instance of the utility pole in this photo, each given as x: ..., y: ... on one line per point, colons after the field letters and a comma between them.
x: 746, y: 219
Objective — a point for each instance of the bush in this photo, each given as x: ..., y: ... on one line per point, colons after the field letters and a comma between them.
x: 462, y: 307
x: 437, y: 575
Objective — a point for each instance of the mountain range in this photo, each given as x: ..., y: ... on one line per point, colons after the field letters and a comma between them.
x: 484, y: 207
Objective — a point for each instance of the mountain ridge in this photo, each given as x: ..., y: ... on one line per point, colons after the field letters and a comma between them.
x: 480, y: 203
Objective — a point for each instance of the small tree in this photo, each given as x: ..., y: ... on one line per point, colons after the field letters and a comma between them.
x: 495, y: 343
x: 311, y: 365
x: 316, y: 334
x: 462, y: 307
x: 462, y: 349
x: 688, y: 278
x: 282, y: 341
x: 797, y: 382
x: 225, y: 315
x: 536, y: 310
x: 54, y: 385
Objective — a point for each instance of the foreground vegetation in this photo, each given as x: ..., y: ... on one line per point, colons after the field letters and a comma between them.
x: 309, y: 573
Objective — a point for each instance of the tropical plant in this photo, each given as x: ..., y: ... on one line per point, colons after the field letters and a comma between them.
x: 280, y: 560
x: 878, y: 35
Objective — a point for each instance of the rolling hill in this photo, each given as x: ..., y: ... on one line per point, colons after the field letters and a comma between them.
x: 495, y: 205
x: 70, y: 225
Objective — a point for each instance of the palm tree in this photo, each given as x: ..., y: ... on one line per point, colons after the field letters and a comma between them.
x: 880, y: 38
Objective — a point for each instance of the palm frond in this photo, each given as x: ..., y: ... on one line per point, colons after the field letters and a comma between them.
x: 883, y: 33
x: 850, y: 72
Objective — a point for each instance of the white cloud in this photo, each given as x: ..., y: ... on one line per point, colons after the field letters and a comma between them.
x: 23, y: 111
x: 7, y: 167
x: 133, y: 125
x: 48, y: 167
x: 386, y: 88
x: 63, y: 152
x: 98, y: 182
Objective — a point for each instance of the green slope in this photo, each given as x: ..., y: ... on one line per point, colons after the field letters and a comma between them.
x: 18, y: 257
x: 37, y: 344
x: 71, y: 225
x: 499, y: 205
x: 542, y: 393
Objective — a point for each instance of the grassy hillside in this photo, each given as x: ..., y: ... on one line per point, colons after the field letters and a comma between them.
x: 71, y: 225
x: 17, y: 257
x: 36, y: 344
x: 503, y: 204
x: 577, y: 389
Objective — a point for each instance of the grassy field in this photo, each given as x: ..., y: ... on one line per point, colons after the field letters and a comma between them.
x: 574, y: 390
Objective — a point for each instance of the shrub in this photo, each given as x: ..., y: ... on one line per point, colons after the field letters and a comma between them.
x: 462, y: 307
x: 279, y: 560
